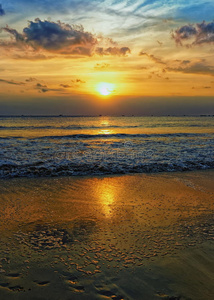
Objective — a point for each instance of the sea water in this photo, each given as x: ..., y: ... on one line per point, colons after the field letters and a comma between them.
x: 61, y: 146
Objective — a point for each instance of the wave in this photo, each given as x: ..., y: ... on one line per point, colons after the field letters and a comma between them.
x: 84, y: 127
x: 124, y: 135
x: 39, y: 169
x: 114, y: 135
x: 69, y: 127
x: 39, y: 127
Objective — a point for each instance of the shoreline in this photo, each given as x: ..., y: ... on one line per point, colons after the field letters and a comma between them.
x: 110, y: 175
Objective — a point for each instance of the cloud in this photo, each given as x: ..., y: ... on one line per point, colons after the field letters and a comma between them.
x: 160, y: 43
x: 18, y: 36
x: 11, y: 82
x: 44, y: 88
x: 2, y: 12
x: 78, y: 81
x: 152, y: 57
x: 202, y: 87
x: 55, y: 37
x: 29, y: 55
x: 191, y: 67
x: 39, y: 85
x: 59, y: 38
x: 101, y: 66
x: 194, y: 66
x: 194, y: 34
x: 31, y: 79
x: 113, y: 51
x: 66, y: 86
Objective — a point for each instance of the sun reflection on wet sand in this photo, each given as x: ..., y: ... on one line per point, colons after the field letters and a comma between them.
x: 107, y: 195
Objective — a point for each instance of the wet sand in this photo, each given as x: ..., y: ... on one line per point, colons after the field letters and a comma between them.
x: 117, y: 237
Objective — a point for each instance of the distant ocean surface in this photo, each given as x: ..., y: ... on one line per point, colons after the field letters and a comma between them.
x: 59, y: 146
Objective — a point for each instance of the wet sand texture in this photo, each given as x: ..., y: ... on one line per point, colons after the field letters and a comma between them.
x: 122, y: 237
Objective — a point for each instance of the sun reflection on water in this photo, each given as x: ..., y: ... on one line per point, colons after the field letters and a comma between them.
x: 105, y: 131
x: 105, y: 123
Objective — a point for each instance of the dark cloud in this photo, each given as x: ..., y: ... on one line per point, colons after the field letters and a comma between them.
x: 185, y: 62
x: 61, y: 38
x: 184, y: 33
x: 43, y: 88
x: 66, y: 86
x: 75, y: 83
x: 152, y: 57
x: 201, y: 33
x: 55, y: 37
x: 31, y: 79
x: 113, y: 51
x: 39, y: 85
x: 2, y: 12
x: 12, y: 82
x: 18, y: 36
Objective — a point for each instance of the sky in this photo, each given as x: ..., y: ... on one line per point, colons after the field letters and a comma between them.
x: 92, y: 57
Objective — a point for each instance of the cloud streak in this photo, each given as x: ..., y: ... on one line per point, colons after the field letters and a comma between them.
x: 152, y: 57
x: 11, y: 82
x: 194, y: 66
x: 191, y: 67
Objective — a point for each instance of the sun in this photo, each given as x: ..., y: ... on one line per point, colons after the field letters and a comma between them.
x: 105, y: 88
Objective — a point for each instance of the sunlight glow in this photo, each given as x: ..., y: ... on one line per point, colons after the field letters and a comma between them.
x: 105, y: 88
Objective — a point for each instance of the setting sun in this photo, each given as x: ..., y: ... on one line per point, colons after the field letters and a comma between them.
x: 105, y: 88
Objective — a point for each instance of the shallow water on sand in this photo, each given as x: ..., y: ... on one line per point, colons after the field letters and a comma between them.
x: 99, y: 238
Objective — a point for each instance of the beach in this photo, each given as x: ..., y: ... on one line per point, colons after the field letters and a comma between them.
x: 136, y: 236
x: 106, y: 150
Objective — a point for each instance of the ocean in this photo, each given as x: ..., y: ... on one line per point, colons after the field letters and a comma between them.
x: 77, y: 146
x: 87, y: 234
